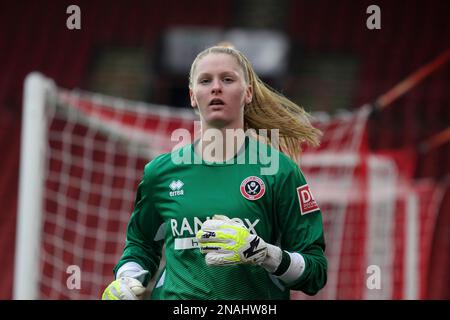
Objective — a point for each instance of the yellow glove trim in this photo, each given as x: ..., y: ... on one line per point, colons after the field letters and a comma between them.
x: 239, y: 238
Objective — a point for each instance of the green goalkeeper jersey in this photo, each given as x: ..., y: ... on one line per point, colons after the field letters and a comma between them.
x: 179, y: 191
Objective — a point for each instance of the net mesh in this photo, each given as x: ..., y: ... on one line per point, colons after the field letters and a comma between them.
x: 376, y: 218
x: 96, y: 150
x: 95, y: 154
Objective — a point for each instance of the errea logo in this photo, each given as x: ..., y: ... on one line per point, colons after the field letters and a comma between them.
x: 176, y: 187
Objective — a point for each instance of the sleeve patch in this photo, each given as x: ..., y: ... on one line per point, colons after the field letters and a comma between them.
x: 306, y: 200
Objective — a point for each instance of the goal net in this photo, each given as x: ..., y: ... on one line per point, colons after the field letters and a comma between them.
x: 93, y: 150
x: 82, y: 157
x: 378, y: 221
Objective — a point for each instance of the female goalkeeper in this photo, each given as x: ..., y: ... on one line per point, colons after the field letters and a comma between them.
x: 234, y: 211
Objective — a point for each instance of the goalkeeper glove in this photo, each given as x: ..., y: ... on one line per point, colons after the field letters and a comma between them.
x: 125, y: 288
x: 227, y: 242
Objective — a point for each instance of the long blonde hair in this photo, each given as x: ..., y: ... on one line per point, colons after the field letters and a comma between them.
x: 269, y: 109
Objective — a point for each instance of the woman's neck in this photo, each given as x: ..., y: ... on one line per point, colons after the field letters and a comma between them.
x: 220, y: 145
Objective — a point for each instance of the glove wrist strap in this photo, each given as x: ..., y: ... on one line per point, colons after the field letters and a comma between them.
x: 133, y: 270
x: 295, y: 269
x: 287, y: 266
x: 273, y: 258
x: 284, y: 264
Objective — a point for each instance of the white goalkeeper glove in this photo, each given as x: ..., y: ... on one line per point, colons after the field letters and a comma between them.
x: 227, y: 242
x: 125, y: 288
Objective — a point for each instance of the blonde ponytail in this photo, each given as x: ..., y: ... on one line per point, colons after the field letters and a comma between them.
x: 269, y: 109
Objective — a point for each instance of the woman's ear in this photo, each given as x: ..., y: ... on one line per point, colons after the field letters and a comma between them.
x: 248, y: 94
x: 192, y: 97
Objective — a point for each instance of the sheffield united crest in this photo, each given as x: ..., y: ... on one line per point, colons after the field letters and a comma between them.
x: 253, y: 188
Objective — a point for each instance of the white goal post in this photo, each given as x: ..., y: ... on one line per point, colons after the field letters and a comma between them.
x: 28, y: 234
